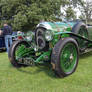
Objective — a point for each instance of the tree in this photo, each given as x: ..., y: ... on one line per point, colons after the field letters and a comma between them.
x: 86, y: 10
x: 70, y: 14
x: 26, y: 14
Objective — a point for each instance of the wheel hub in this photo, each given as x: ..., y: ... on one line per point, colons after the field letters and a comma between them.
x: 71, y: 57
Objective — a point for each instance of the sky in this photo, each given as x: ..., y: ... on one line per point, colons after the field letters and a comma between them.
x: 78, y: 13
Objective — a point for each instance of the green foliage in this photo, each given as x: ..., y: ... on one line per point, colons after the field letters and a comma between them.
x: 86, y: 10
x: 26, y: 14
x: 70, y: 14
x: 19, y: 21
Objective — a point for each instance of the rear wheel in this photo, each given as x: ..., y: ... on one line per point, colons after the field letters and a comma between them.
x: 80, y: 29
x: 82, y: 44
x: 65, y: 57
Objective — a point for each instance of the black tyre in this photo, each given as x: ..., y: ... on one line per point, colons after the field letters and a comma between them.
x: 9, y: 53
x: 80, y: 29
x: 12, y: 52
x: 65, y: 57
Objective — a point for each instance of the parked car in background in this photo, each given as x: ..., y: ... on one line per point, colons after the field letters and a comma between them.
x: 15, y: 36
x: 2, y: 43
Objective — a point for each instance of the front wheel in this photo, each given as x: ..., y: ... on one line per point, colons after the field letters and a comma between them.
x: 17, y: 50
x: 65, y: 56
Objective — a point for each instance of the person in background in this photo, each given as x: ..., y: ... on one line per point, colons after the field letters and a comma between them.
x: 0, y: 32
x: 7, y: 32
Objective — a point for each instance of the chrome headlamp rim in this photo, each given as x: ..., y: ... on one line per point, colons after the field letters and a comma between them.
x: 48, y: 35
x: 29, y: 36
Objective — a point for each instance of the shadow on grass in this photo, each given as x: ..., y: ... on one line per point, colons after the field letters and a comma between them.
x: 86, y: 55
x: 44, y: 67
x: 2, y: 50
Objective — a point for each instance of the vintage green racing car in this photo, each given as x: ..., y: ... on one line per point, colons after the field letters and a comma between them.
x: 60, y: 43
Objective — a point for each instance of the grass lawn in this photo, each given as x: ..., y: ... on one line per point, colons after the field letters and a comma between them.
x: 42, y: 79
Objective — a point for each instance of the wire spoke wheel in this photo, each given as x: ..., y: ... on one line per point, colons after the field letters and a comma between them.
x: 18, y: 51
x: 65, y: 56
x: 68, y: 57
x: 80, y: 29
x: 82, y: 32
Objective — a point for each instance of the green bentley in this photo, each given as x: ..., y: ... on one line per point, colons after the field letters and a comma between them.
x: 59, y: 43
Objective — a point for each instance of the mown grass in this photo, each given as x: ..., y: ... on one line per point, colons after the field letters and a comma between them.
x: 42, y: 79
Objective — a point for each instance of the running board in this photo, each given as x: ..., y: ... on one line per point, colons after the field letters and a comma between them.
x: 86, y: 51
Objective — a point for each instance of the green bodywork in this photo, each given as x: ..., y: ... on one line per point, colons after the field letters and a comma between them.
x: 57, y: 29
